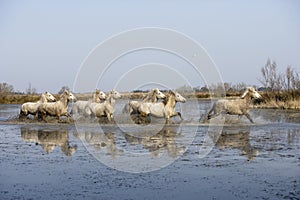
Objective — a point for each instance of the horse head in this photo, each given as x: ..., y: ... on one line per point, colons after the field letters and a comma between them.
x: 49, y: 96
x: 174, y: 95
x: 178, y: 97
x: 115, y: 94
x: 159, y: 94
x: 100, y: 95
x: 69, y: 95
x: 252, y: 93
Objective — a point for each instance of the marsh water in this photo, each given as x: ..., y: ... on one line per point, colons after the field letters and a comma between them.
x: 41, y: 160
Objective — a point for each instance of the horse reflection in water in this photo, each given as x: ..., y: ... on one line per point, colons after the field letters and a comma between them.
x: 108, y: 140
x: 49, y: 139
x: 157, y: 144
x: 100, y: 140
x: 237, y: 140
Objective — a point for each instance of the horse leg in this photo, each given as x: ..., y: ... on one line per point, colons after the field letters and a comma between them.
x: 248, y: 116
x: 22, y: 115
x: 58, y: 118
x: 142, y: 119
x: 109, y: 117
x: 112, y: 117
x: 39, y: 115
x: 143, y: 114
x: 240, y: 117
x: 167, y: 120
x: 213, y: 116
x: 36, y: 116
x: 209, y: 114
x: 44, y: 115
x: 73, y: 110
x: 69, y: 116
x: 179, y: 114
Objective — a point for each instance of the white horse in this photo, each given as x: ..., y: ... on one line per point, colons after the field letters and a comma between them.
x: 238, y: 107
x: 32, y: 107
x: 164, y: 109
x: 79, y: 106
x: 105, y: 108
x: 151, y: 97
x: 58, y: 108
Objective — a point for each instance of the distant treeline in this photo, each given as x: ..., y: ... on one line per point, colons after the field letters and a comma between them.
x: 279, y: 89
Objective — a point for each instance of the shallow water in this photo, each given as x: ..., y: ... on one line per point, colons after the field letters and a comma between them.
x: 64, y: 161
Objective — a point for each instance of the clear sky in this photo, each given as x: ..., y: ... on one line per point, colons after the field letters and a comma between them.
x: 45, y: 42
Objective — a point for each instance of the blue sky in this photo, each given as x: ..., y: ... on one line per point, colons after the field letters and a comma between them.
x: 45, y: 42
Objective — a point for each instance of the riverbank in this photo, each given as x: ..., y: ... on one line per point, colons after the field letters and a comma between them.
x: 270, y: 102
x: 285, y: 105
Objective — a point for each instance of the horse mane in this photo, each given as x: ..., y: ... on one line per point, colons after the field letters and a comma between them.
x: 110, y: 97
x: 64, y: 96
x: 168, y: 96
x: 150, y: 96
x: 247, y: 96
x: 43, y: 98
x: 244, y: 94
x: 95, y: 96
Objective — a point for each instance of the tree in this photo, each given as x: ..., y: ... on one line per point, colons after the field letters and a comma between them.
x: 239, y: 86
x: 289, y: 74
x: 227, y: 86
x: 6, y: 88
x: 269, y: 75
x: 30, y: 89
x: 281, y: 84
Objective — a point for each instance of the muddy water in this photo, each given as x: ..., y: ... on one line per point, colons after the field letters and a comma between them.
x: 60, y: 161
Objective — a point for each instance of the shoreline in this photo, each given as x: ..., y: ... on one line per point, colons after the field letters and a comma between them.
x: 292, y: 104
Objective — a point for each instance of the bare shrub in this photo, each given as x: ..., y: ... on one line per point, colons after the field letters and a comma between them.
x: 280, y: 86
x: 6, y: 89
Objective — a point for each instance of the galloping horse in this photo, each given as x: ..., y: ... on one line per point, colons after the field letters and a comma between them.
x: 32, y: 107
x: 238, y: 107
x: 79, y: 106
x: 105, y: 108
x: 164, y: 109
x: 151, y: 97
x: 58, y: 108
